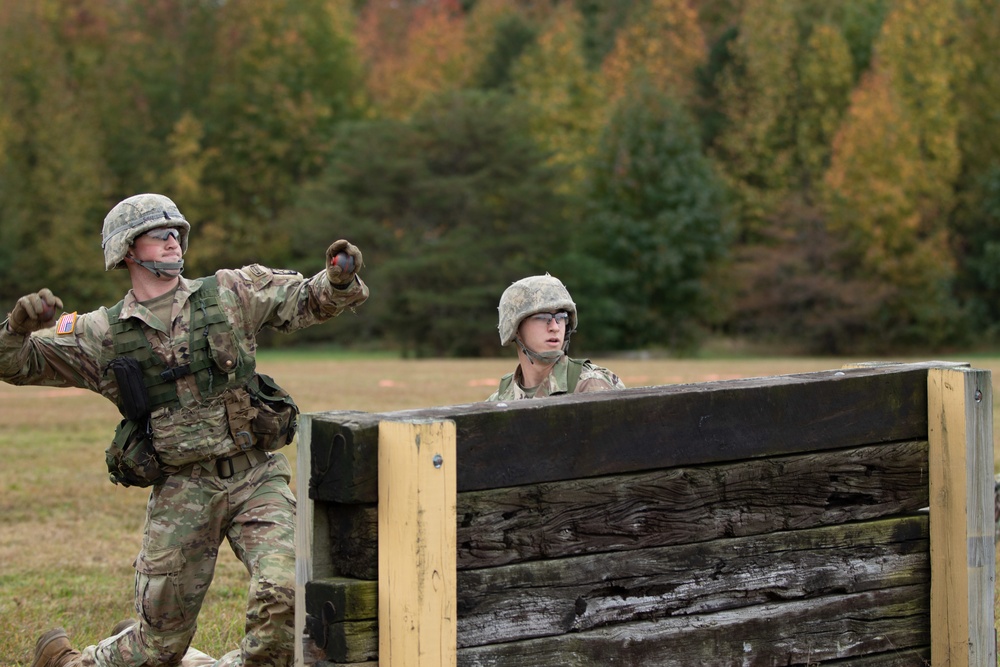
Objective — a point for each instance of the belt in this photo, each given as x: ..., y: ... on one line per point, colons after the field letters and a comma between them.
x: 225, y: 467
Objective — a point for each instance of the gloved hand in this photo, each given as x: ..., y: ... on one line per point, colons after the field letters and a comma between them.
x: 34, y: 311
x: 343, y: 260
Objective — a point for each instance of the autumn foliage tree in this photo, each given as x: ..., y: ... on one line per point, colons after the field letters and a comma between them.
x: 663, y: 44
x: 412, y: 52
x: 891, y: 181
x: 756, y: 95
x: 561, y: 95
x: 856, y: 142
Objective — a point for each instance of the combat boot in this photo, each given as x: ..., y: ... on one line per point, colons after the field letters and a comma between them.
x: 54, y: 650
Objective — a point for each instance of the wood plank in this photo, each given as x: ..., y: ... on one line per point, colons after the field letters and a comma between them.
x: 960, y: 403
x: 312, y: 549
x: 569, y: 595
x: 660, y: 508
x: 891, y: 621
x: 416, y: 557
x: 638, y: 429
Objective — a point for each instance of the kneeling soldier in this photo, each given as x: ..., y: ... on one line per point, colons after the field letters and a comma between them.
x: 200, y: 425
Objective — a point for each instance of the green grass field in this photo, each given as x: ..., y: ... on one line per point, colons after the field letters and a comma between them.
x: 68, y: 537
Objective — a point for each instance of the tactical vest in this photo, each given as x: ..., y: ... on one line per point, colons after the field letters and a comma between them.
x: 573, y: 373
x: 212, y: 344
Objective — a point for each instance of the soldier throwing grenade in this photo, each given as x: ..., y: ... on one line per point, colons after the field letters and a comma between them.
x: 200, y: 426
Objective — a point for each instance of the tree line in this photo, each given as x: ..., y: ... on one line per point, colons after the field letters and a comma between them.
x: 822, y: 175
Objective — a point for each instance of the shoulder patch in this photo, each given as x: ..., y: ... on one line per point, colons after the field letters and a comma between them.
x: 259, y: 275
x: 66, y: 324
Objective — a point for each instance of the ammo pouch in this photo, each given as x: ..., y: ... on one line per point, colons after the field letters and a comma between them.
x: 133, y: 398
x: 276, y: 420
x: 131, y: 459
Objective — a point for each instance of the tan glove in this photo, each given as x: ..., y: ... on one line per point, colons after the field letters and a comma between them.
x: 34, y: 311
x: 343, y: 261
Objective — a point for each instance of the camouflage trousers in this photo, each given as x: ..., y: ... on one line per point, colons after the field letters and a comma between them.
x: 187, y: 518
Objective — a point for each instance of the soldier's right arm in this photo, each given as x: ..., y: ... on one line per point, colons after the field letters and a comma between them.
x: 72, y: 354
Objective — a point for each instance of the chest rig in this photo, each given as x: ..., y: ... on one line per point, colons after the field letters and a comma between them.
x: 216, y: 361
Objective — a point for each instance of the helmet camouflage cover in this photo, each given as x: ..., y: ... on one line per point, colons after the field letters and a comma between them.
x: 535, y: 294
x: 134, y: 217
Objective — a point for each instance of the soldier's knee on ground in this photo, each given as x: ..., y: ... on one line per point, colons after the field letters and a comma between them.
x: 142, y: 646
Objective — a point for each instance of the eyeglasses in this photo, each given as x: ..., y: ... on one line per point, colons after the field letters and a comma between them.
x: 164, y: 233
x: 546, y: 318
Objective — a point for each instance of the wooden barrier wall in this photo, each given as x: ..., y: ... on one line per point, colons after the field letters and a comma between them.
x: 831, y: 518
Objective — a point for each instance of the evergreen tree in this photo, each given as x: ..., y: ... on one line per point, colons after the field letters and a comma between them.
x: 656, y: 226
x: 448, y: 208
x: 498, y: 33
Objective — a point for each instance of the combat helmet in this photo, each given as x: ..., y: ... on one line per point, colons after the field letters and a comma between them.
x: 534, y: 294
x: 134, y: 217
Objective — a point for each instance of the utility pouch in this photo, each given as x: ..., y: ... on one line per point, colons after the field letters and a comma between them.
x: 133, y: 397
x: 276, y: 420
x: 240, y: 413
x: 131, y: 458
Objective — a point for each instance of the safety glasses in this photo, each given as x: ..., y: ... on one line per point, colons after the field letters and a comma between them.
x: 164, y: 233
x: 546, y: 318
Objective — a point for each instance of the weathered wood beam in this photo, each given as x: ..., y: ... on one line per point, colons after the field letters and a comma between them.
x: 570, y: 595
x: 888, y: 621
x: 587, y: 435
x: 809, y: 631
x: 660, y: 508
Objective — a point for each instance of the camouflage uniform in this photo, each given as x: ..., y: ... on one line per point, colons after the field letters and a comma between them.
x: 545, y: 294
x: 592, y: 378
x: 190, y: 513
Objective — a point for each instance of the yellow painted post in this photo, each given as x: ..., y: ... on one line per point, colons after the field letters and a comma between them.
x: 963, y: 555
x: 417, y: 551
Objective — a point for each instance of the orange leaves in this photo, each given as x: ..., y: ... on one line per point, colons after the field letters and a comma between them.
x: 663, y: 42
x: 412, y: 52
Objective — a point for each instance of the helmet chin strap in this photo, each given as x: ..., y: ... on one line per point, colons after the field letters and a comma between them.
x: 160, y: 269
x: 549, y: 357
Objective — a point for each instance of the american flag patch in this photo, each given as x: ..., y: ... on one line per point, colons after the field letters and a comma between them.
x: 66, y: 323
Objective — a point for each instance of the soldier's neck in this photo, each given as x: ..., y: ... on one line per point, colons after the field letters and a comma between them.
x: 148, y: 286
x: 533, y: 373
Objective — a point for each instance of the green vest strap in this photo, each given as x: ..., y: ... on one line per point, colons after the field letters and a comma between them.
x: 573, y: 373
x: 208, y: 323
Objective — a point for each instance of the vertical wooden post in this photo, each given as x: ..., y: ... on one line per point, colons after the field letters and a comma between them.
x: 963, y: 556
x: 417, y: 613
x: 312, y: 540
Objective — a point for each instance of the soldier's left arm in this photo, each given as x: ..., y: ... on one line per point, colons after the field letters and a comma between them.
x: 287, y: 301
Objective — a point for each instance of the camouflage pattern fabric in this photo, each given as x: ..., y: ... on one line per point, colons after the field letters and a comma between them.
x: 190, y: 514
x: 592, y: 378
x: 253, y: 298
x: 255, y: 512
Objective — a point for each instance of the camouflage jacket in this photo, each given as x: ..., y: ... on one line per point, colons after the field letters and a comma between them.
x: 592, y: 378
x: 253, y: 298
